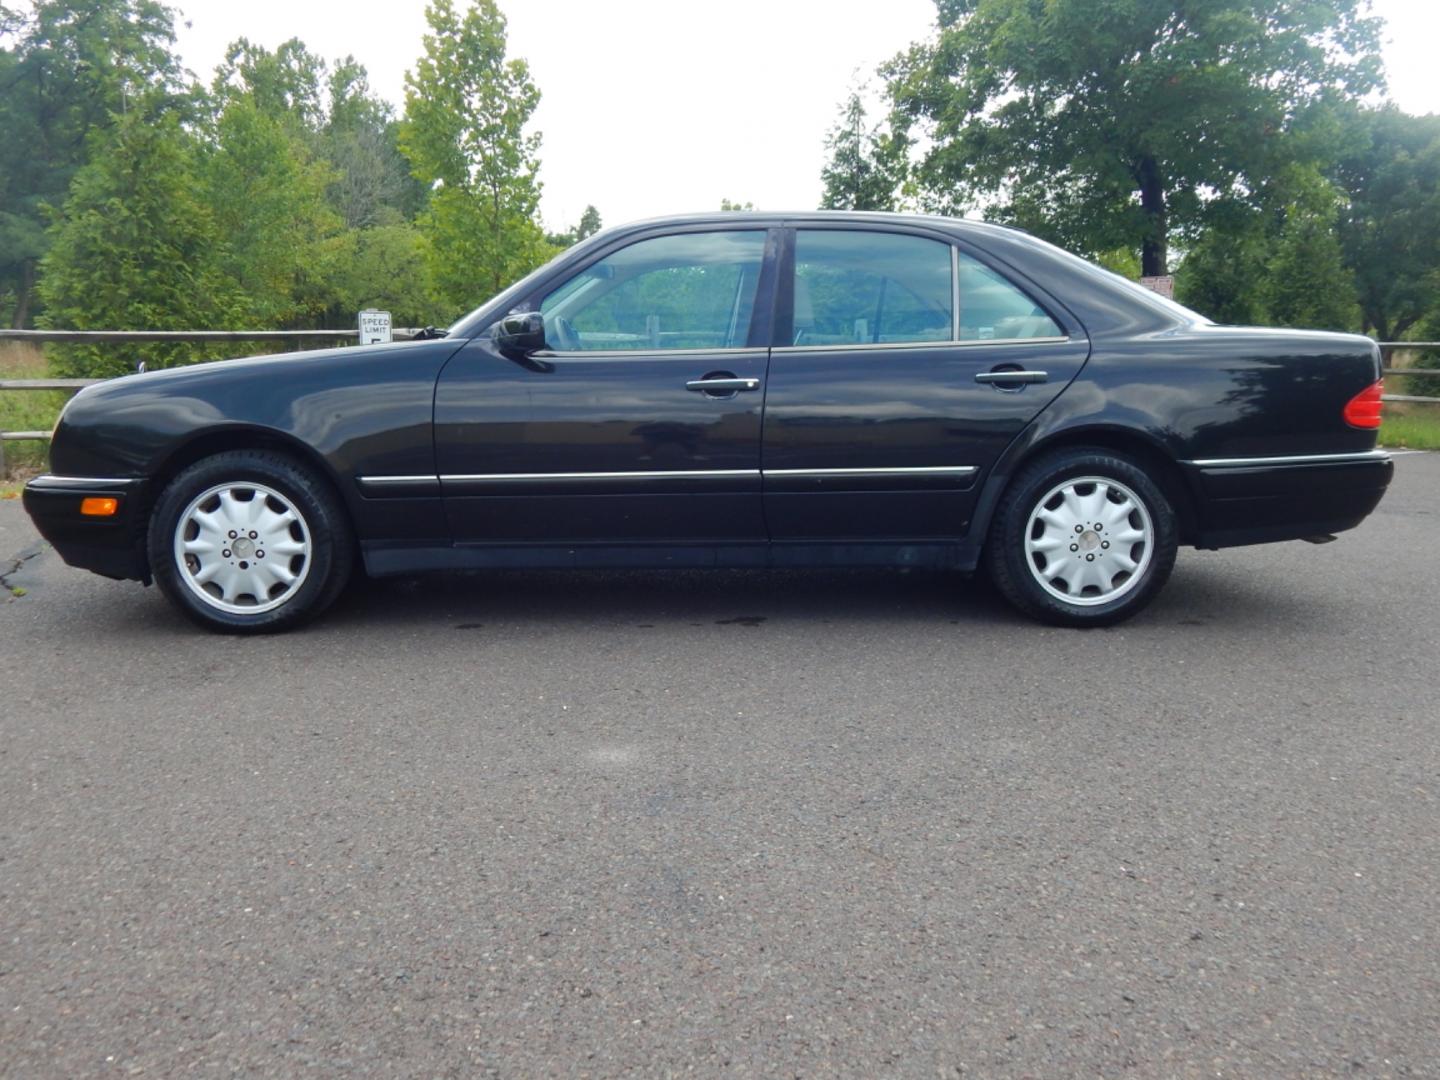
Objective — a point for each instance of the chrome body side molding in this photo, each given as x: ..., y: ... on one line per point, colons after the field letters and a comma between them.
x: 78, y: 482
x: 924, y: 470
x: 1360, y: 458
x: 379, y: 483
x: 663, y: 474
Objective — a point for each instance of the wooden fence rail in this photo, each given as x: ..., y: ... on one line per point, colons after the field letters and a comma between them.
x: 400, y: 334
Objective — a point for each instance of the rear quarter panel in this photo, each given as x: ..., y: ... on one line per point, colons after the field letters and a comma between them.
x: 1182, y: 392
x: 1204, y: 392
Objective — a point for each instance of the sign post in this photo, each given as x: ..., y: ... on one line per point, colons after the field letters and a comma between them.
x: 375, y: 327
x: 1164, y: 285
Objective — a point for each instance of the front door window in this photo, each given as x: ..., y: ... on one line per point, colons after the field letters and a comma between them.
x: 688, y: 291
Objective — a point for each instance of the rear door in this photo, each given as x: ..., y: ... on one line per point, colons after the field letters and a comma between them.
x: 640, y: 422
x: 903, y: 367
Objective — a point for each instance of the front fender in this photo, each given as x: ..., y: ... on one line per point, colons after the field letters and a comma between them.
x: 358, y: 409
x: 355, y: 411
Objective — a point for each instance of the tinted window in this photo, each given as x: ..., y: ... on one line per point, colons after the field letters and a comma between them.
x: 864, y: 288
x: 992, y: 308
x: 691, y: 291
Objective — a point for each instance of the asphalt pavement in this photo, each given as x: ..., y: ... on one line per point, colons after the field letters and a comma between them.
x: 781, y: 824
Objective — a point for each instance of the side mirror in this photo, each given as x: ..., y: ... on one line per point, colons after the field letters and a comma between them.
x: 521, y: 333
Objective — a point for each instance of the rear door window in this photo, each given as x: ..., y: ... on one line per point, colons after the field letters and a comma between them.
x: 871, y: 288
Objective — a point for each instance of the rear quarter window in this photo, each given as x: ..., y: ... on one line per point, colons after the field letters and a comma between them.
x: 992, y: 308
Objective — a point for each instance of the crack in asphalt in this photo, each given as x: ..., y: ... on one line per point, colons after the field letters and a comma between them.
x: 16, y: 564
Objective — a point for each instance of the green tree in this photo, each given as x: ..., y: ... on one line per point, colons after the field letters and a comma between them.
x: 1117, y: 124
x: 283, y: 83
x: 307, y: 178
x: 1122, y: 261
x: 66, y: 70
x: 1306, y: 283
x: 1390, y: 227
x: 1222, y: 274
x: 135, y: 249
x: 266, y: 187
x: 466, y: 112
x: 588, y: 226
x: 380, y: 267
x: 726, y: 206
x: 1275, y: 265
x: 863, y: 172
x: 372, y: 182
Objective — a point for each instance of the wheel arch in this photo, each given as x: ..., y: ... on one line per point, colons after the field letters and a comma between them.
x: 214, y: 441
x: 1139, y: 446
x: 1144, y: 447
x: 271, y: 452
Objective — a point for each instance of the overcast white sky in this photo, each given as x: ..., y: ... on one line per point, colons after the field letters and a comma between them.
x: 660, y: 106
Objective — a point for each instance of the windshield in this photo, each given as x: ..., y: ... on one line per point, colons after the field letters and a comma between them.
x: 519, y: 285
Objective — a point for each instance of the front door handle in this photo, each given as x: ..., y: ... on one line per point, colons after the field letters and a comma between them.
x: 722, y: 386
x: 1013, y: 377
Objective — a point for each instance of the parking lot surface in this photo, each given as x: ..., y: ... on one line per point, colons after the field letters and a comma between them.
x: 870, y: 824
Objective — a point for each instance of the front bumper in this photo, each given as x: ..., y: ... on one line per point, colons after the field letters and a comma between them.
x: 112, y: 546
x: 1261, y: 500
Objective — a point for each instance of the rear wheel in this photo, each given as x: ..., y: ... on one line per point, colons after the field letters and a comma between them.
x: 249, y: 541
x: 1082, y: 537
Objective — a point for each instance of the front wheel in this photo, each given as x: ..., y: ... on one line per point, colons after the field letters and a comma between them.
x: 1082, y: 537
x: 248, y: 542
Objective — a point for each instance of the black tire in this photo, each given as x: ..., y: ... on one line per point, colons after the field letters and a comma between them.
x: 1017, y: 571
x: 321, y: 527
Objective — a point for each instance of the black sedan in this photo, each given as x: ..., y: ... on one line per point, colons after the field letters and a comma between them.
x: 741, y: 391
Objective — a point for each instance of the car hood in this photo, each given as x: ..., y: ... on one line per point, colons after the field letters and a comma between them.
x: 270, y: 364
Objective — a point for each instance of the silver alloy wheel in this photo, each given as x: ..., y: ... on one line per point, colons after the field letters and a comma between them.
x: 1089, y: 540
x: 242, y: 548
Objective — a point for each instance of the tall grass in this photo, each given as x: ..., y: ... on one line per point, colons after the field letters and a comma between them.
x: 26, y: 410
x: 1411, y: 426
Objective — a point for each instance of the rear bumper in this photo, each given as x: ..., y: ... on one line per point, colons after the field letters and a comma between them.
x: 112, y: 546
x: 1262, y: 500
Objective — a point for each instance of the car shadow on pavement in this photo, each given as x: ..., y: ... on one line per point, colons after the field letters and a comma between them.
x: 742, y: 598
x: 1200, y: 593
x: 1205, y: 591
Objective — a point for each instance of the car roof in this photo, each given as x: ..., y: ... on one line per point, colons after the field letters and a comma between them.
x: 776, y: 217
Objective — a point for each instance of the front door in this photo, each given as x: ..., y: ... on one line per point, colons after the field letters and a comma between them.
x: 888, y: 397
x: 640, y: 421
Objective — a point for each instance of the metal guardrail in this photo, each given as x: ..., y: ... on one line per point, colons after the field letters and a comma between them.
x: 103, y: 336
x: 401, y: 334
x: 1388, y: 347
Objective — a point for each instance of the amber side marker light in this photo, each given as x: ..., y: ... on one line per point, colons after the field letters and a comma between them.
x: 99, y: 507
x: 1363, y: 410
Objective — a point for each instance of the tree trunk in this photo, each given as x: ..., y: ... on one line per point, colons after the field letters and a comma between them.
x: 23, y: 296
x: 1373, y: 316
x: 1154, y: 252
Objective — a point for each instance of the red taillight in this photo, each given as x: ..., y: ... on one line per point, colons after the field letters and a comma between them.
x: 1363, y: 410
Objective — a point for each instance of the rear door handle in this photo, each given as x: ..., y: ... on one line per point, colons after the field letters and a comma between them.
x: 1013, y: 377
x: 722, y: 386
